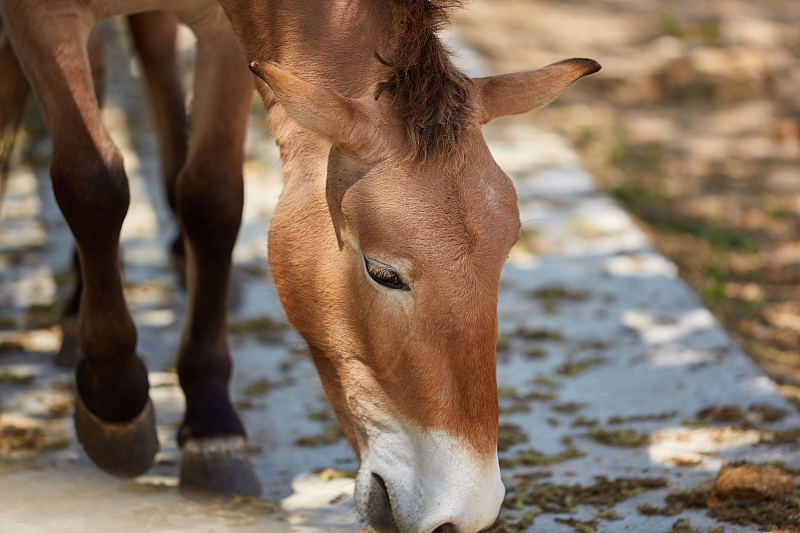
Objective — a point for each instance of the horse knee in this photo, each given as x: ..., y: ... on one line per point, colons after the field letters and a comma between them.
x: 210, y: 199
x: 91, y: 189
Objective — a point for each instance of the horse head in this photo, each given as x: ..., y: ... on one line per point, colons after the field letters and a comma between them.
x: 388, y: 262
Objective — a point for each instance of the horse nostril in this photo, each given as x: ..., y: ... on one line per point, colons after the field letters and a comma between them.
x: 446, y: 528
x: 379, y: 507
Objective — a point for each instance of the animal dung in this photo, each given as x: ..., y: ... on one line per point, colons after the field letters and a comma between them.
x: 748, y: 482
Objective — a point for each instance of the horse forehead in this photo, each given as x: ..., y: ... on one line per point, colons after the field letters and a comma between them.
x: 460, y: 210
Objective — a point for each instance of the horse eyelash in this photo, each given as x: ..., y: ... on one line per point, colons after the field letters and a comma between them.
x: 380, y: 271
x: 385, y: 275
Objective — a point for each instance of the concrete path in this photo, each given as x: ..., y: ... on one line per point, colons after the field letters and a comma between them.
x: 606, y: 361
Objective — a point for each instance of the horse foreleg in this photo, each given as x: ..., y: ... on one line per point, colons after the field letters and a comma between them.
x: 114, y: 417
x: 154, y: 35
x: 209, y: 199
x: 69, y: 354
x: 154, y: 38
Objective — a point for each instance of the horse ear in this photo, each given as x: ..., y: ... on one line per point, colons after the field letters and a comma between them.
x: 341, y: 119
x: 511, y: 94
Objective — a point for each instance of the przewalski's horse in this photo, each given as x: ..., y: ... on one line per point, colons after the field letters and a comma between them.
x: 386, y: 245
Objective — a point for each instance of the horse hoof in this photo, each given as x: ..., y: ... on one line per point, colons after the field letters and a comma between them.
x: 217, y: 467
x: 123, y: 449
x: 69, y: 355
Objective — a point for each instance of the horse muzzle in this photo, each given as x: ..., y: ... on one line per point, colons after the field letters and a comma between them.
x: 413, y: 481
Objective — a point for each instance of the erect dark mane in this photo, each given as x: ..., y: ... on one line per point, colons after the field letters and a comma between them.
x: 428, y: 92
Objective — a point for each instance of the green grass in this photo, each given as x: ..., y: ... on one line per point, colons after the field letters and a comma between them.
x: 329, y: 435
x: 636, y: 196
x: 624, y: 438
x: 670, y: 25
x: 720, y: 238
x: 535, y: 458
x: 715, y: 292
x: 10, y: 378
x: 259, y: 388
x: 579, y: 367
x: 508, y: 435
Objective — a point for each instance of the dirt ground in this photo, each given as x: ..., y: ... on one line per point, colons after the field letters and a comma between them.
x: 694, y: 126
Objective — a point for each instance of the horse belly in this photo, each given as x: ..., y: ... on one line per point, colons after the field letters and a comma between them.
x: 197, y: 14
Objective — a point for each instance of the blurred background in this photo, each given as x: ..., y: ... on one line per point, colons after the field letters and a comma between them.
x: 693, y: 125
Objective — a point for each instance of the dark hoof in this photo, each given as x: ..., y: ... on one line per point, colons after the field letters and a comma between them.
x: 123, y: 449
x: 69, y: 355
x: 217, y: 468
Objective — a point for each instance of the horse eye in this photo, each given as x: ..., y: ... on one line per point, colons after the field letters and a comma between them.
x: 385, y: 275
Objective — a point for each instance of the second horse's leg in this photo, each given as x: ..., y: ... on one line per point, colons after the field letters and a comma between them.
x: 209, y: 198
x: 153, y: 35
